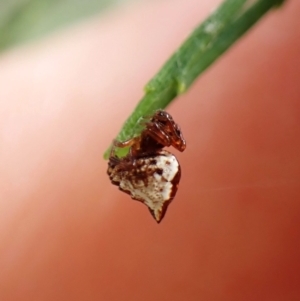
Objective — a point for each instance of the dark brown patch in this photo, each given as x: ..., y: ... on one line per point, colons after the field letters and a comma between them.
x: 175, y: 182
x: 159, y: 171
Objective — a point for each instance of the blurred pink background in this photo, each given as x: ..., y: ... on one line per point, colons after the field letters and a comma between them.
x: 232, y: 233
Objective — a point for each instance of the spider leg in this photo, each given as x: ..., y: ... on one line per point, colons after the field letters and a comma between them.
x: 113, y: 161
x: 126, y: 143
x: 112, y: 150
x: 155, y: 131
x: 134, y: 144
x: 120, y: 144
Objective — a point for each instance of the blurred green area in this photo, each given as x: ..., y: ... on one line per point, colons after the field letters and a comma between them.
x: 26, y: 20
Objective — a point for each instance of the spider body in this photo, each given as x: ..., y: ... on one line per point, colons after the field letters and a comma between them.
x: 148, y: 173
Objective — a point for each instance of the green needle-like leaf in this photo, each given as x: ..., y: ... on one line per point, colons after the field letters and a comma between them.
x: 207, y: 43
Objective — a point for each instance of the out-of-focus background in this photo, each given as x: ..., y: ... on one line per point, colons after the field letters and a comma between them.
x: 27, y: 20
x: 70, y: 74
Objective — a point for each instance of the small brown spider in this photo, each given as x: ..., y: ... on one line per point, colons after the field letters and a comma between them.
x: 148, y: 173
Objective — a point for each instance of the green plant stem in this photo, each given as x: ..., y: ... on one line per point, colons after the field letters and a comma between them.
x: 207, y: 43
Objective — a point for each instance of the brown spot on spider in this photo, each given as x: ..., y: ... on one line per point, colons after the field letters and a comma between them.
x: 148, y: 173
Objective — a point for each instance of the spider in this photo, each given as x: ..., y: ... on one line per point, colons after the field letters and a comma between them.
x: 149, y: 173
